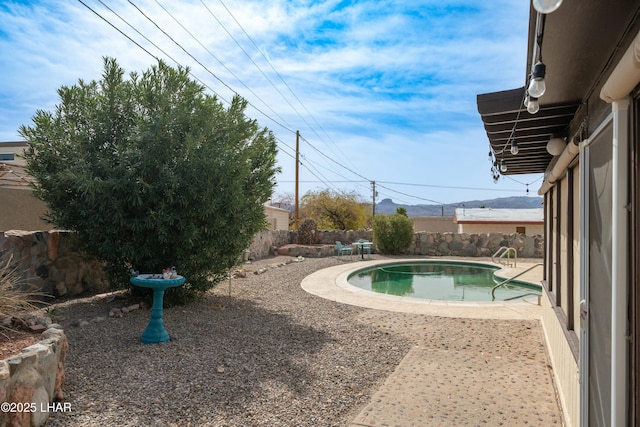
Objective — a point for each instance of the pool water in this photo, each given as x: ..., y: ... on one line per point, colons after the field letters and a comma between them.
x: 438, y: 280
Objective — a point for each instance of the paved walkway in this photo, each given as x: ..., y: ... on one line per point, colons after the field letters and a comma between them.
x: 493, y: 371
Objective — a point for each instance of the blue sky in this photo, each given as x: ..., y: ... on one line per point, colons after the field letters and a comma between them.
x: 379, y: 90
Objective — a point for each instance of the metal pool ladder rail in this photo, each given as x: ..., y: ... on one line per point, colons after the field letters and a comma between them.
x: 505, y: 253
x: 504, y: 282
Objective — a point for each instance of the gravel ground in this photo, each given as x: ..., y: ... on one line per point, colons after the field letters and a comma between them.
x: 267, y: 355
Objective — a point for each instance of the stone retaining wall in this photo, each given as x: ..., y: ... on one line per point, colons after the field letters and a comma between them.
x: 31, y: 382
x: 47, y: 261
x: 475, y: 245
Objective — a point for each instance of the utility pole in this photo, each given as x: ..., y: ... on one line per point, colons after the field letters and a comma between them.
x: 296, y: 214
x: 373, y: 186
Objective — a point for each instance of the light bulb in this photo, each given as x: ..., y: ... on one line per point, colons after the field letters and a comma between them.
x: 533, y: 106
x: 514, y: 147
x: 537, y: 86
x: 503, y: 166
x: 546, y: 6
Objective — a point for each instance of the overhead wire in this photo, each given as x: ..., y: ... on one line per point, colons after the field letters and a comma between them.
x: 325, y: 180
x: 147, y: 39
x: 223, y: 65
x: 310, y: 165
x: 409, y: 195
x: 207, y: 69
x: 284, y: 82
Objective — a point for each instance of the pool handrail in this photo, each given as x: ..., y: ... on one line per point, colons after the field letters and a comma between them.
x: 504, y: 282
x: 504, y: 252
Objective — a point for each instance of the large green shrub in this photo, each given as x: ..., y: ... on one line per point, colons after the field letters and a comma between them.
x: 392, y: 234
x: 151, y: 172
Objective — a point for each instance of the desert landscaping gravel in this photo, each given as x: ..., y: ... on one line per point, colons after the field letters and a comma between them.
x: 260, y: 351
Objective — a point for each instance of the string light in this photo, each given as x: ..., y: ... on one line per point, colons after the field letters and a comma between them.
x: 546, y: 6
x: 532, y: 104
x: 537, y: 86
x: 514, y: 146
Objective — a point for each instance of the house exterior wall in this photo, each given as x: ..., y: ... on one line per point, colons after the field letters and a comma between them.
x: 20, y: 210
x: 505, y: 228
x: 560, y: 314
x: 434, y: 224
x: 278, y: 218
x: 565, y: 368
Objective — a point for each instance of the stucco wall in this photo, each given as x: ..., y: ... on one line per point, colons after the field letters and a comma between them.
x: 434, y: 224
x: 278, y: 218
x: 565, y: 368
x: 20, y: 210
x: 530, y: 229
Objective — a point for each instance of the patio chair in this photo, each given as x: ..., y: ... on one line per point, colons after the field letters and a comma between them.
x: 364, y: 249
x: 344, y: 250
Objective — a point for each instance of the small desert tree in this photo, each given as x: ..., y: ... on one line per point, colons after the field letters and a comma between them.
x: 151, y: 171
x: 333, y: 210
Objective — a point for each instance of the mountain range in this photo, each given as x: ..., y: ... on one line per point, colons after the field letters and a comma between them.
x: 387, y: 206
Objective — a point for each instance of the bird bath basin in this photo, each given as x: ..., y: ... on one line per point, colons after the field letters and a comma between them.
x: 155, y: 331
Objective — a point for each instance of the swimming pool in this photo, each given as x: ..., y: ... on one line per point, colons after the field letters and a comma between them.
x: 438, y: 280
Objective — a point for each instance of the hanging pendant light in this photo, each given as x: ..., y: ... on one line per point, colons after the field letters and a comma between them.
x: 546, y: 6
x: 503, y: 166
x: 537, y: 86
x: 533, y: 106
x: 514, y: 146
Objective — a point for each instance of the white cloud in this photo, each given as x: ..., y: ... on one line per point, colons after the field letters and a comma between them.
x: 392, y: 83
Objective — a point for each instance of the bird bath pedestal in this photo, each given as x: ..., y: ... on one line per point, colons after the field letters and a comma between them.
x: 156, y: 332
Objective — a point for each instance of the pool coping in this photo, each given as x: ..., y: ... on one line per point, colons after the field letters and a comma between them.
x: 331, y: 283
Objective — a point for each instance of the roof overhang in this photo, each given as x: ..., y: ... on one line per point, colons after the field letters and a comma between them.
x: 505, y: 117
x: 580, y: 44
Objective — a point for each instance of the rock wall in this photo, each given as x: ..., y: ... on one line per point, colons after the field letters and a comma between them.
x: 475, y: 245
x: 265, y: 243
x: 31, y: 382
x: 46, y: 261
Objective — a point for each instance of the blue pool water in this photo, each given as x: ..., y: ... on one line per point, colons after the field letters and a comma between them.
x: 438, y: 280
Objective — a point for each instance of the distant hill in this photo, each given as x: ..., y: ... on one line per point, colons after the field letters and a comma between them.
x: 387, y: 206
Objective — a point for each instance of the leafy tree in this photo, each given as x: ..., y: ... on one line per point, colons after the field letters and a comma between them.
x: 333, y: 210
x: 401, y: 211
x: 151, y: 172
x: 392, y: 234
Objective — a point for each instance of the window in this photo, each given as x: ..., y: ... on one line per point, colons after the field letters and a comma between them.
x: 521, y: 230
x: 6, y: 157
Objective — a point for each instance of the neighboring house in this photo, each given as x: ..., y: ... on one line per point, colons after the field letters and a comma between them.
x: 19, y: 209
x: 434, y: 224
x: 506, y: 221
x: 278, y: 218
x: 585, y: 138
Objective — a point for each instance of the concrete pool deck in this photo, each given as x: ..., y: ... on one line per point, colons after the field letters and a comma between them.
x: 491, y: 382
x: 331, y: 283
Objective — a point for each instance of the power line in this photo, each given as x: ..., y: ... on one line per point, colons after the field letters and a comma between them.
x: 449, y: 187
x: 334, y: 161
x: 222, y: 64
x: 284, y: 82
x: 206, y: 68
x: 409, y: 195
x: 140, y: 46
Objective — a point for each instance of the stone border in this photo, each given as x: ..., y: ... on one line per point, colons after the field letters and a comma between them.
x: 31, y: 381
x: 331, y: 283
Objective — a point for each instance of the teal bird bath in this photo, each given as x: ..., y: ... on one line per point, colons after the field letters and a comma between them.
x: 155, y: 331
